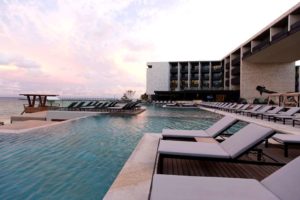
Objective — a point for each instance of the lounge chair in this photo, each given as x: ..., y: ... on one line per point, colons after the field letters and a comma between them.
x: 230, y: 149
x: 213, y: 131
x: 260, y: 111
x: 98, y: 105
x: 270, y: 112
x: 253, y: 109
x: 72, y: 105
x: 228, y: 106
x: 79, y: 105
x: 281, y: 185
x: 287, y: 140
x: 296, y: 119
x: 284, y: 115
x: 102, y: 105
x: 236, y: 107
x: 246, y: 106
x: 89, y: 104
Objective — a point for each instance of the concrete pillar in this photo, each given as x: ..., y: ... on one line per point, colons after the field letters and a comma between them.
x: 189, y: 75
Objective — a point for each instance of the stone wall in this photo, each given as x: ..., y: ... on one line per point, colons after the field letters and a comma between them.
x: 279, y: 77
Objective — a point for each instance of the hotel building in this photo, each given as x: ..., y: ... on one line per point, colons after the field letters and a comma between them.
x: 266, y: 59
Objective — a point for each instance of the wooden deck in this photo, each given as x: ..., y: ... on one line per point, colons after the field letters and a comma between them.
x: 188, y: 167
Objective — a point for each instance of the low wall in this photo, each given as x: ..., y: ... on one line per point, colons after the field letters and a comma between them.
x: 66, y: 115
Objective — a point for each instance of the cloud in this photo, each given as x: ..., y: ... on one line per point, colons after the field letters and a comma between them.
x: 100, y: 47
x: 18, y: 61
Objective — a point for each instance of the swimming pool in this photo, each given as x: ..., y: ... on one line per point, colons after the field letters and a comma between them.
x: 80, y: 159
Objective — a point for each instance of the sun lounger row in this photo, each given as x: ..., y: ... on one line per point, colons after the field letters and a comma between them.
x: 275, y: 113
x: 112, y: 106
x: 280, y: 185
x: 220, y: 127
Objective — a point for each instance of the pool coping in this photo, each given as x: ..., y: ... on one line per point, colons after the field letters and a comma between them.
x: 134, y: 180
x: 10, y: 131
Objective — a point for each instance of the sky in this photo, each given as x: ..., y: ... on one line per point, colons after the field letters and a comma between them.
x: 101, y: 47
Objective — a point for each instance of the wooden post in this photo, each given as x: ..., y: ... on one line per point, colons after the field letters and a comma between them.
x: 29, y: 101
x: 33, y: 100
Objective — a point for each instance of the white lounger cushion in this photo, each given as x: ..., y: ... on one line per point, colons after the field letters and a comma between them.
x: 287, y: 138
x: 213, y: 131
x: 245, y: 138
x: 197, y: 149
x: 184, y: 133
x: 285, y: 182
x: 208, y: 188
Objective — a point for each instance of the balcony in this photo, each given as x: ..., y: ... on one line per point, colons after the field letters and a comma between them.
x: 227, y: 66
x: 235, y: 81
x: 174, y: 70
x: 205, y: 69
x: 280, y: 35
x: 236, y: 61
x: 195, y: 70
x: 227, y: 83
x: 205, y: 77
x: 205, y: 85
x: 174, y: 78
x: 263, y: 44
x: 295, y: 27
x: 195, y: 77
x: 227, y: 74
x: 184, y: 70
x: 184, y: 77
x: 183, y: 85
x: 218, y: 76
x: 247, y: 53
x: 235, y: 71
x: 194, y: 84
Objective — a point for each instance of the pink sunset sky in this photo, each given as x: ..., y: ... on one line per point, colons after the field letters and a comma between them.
x: 100, y: 47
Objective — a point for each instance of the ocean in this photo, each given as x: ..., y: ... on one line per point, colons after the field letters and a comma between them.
x: 10, y: 106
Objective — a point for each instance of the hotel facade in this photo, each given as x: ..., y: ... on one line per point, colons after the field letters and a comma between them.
x: 267, y: 59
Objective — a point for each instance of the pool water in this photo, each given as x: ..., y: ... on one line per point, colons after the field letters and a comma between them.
x: 80, y: 159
